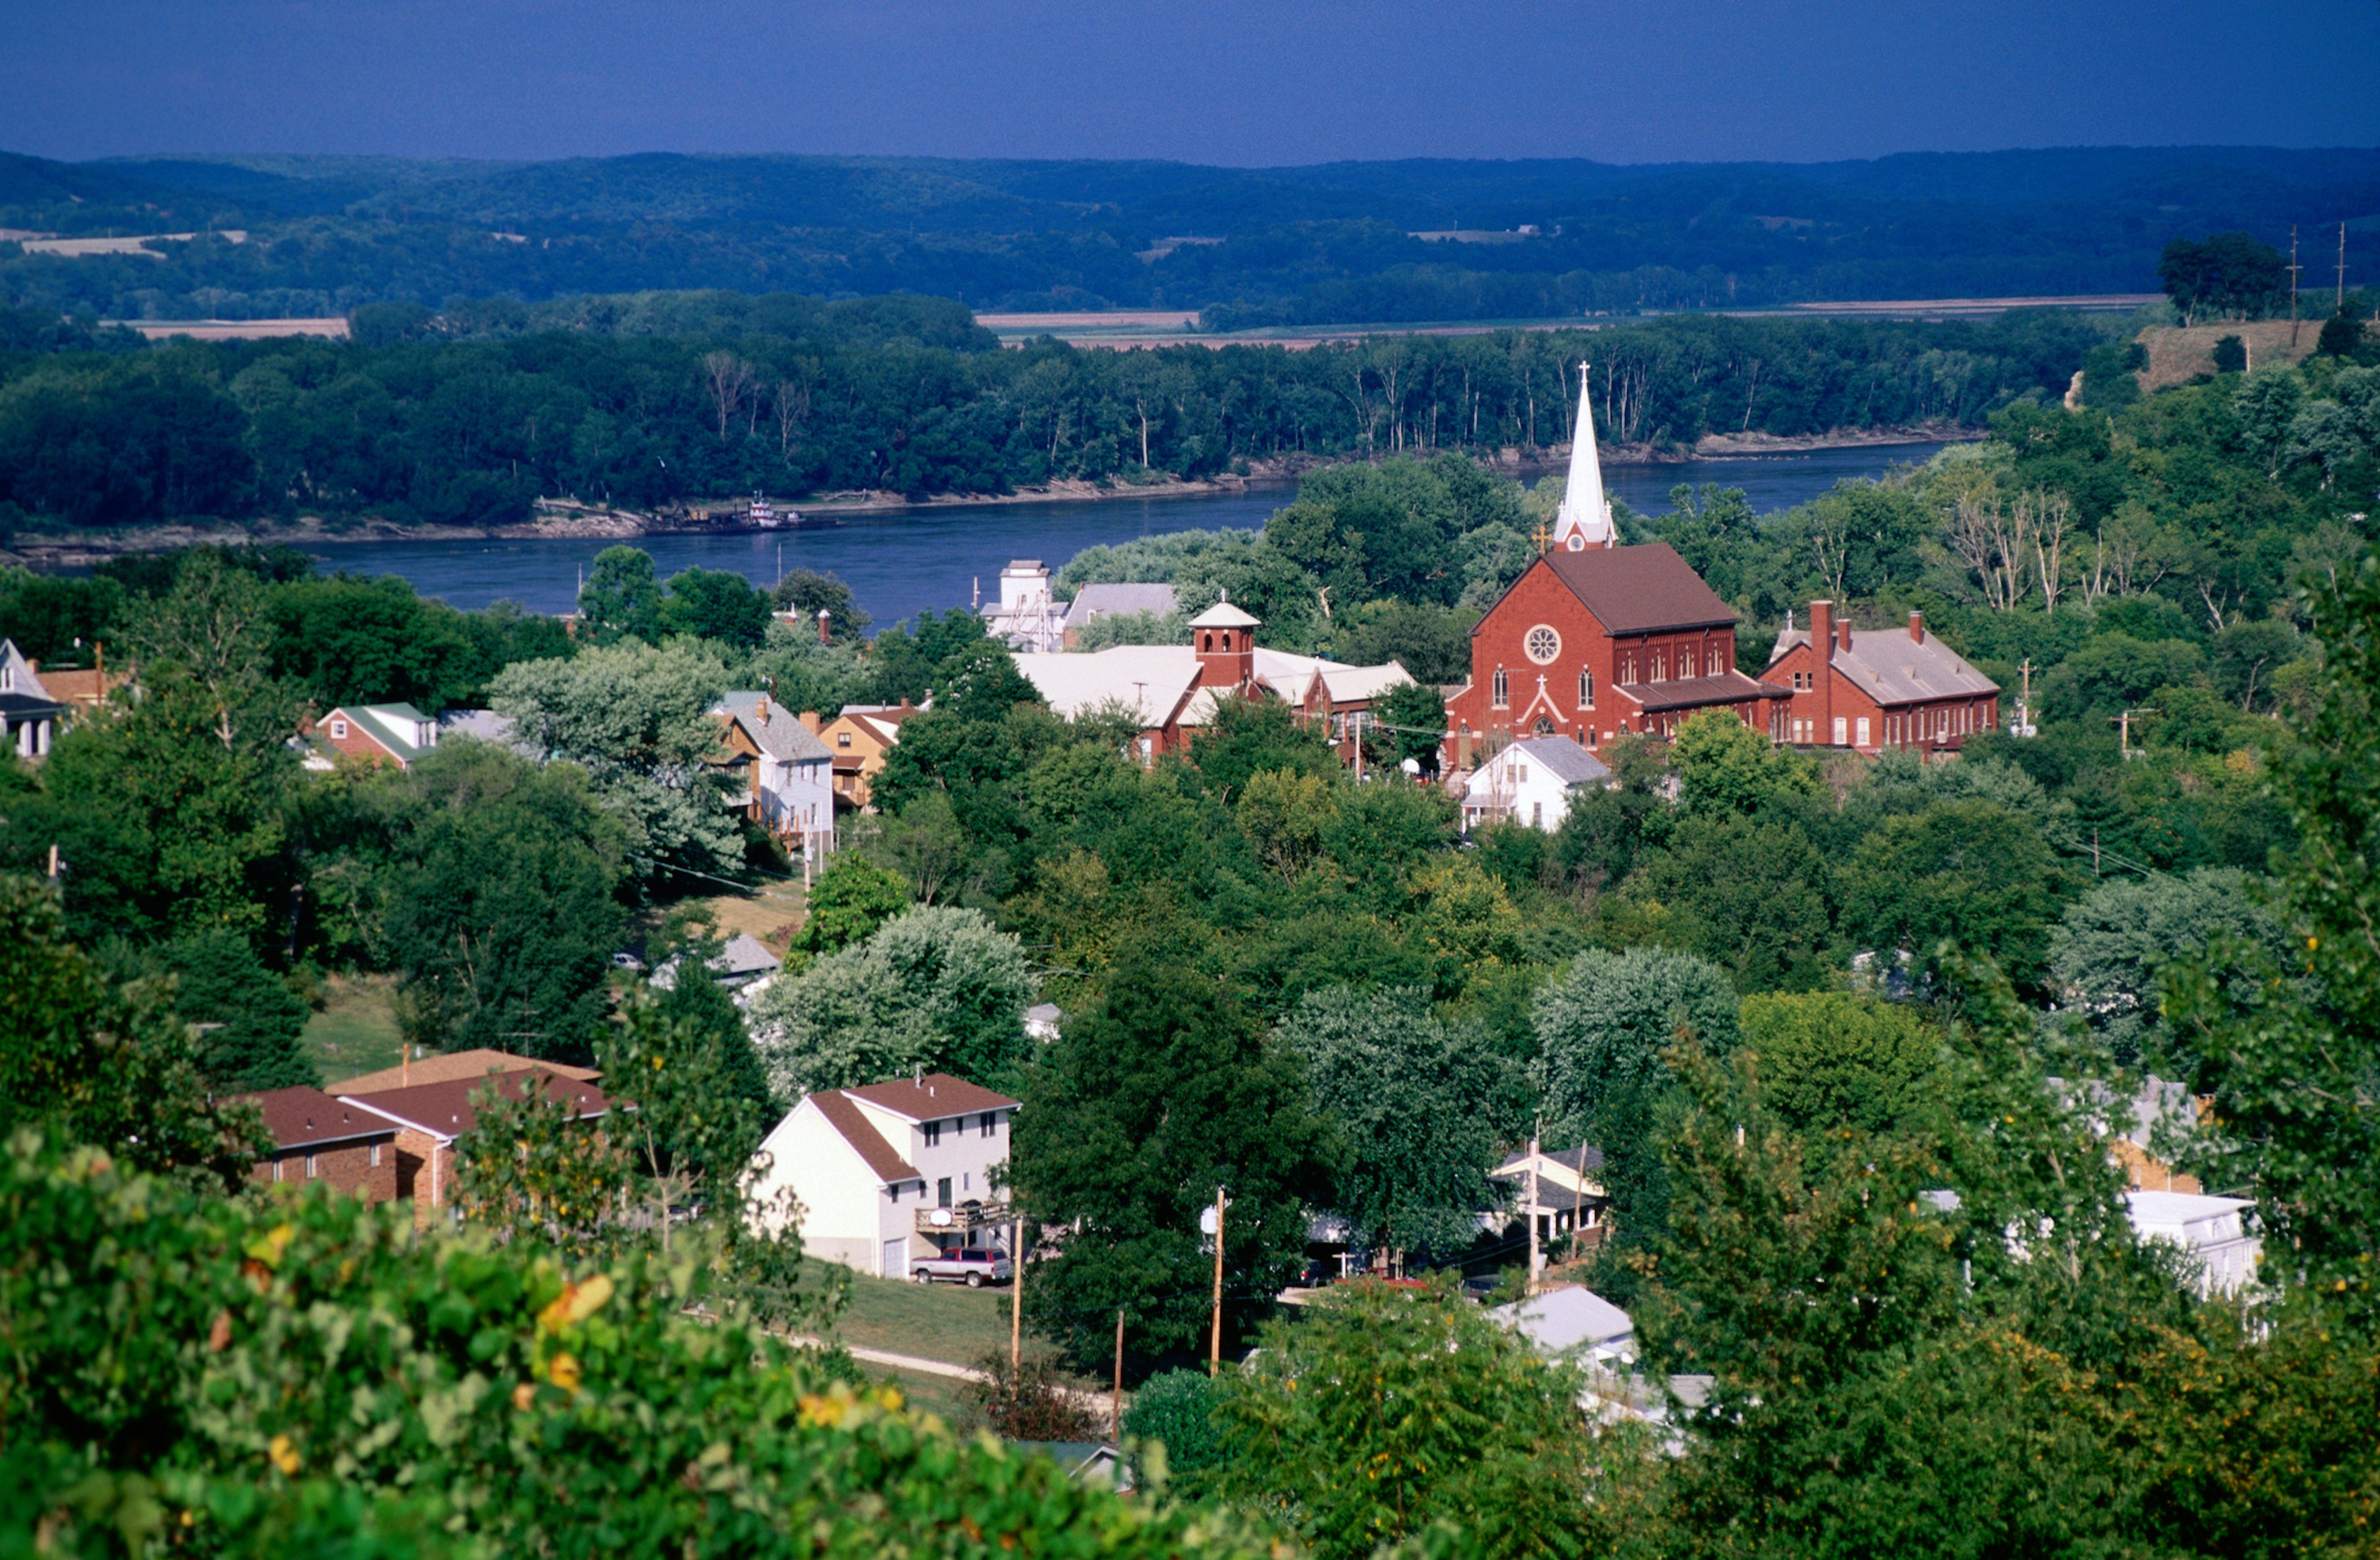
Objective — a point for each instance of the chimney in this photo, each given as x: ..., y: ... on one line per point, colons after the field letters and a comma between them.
x: 824, y: 618
x: 764, y: 709
x: 1917, y: 628
x: 1844, y: 633
x: 1822, y: 670
x: 1822, y: 623
x: 906, y: 707
x: 810, y: 722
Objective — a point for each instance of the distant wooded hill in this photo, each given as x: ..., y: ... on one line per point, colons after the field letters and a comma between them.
x: 1328, y: 244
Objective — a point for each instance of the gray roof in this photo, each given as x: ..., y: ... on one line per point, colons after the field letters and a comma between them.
x: 1893, y: 668
x: 1102, y: 601
x: 781, y: 735
x: 1586, y: 1158
x: 1569, y: 1319
x: 1565, y: 759
x: 744, y: 954
x: 1729, y: 687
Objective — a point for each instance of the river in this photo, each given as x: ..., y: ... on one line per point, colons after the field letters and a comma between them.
x: 899, y: 562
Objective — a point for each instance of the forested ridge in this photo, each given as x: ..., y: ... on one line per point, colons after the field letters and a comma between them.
x: 1331, y: 244
x: 1847, y: 1033
x: 469, y: 416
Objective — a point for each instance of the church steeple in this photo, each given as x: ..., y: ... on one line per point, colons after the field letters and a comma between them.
x: 1585, y: 518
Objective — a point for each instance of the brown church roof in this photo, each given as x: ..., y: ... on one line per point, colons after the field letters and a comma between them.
x: 1641, y: 590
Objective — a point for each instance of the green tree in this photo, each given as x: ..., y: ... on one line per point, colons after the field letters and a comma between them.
x: 850, y: 900
x: 2109, y: 953
x: 1413, y: 725
x: 2230, y: 276
x: 636, y: 718
x: 1176, y: 1410
x: 249, y: 1020
x: 1829, y: 1060
x: 1604, y: 1024
x: 806, y: 592
x: 1423, y: 1107
x: 1751, y: 896
x: 1384, y: 1414
x: 681, y: 1071
x: 104, y: 1064
x: 1971, y: 873
x: 715, y: 605
x: 622, y: 596
x: 1158, y: 1093
x: 534, y: 1169
x: 2230, y: 355
x: 2342, y: 334
x: 933, y: 988
x: 368, y: 641
x: 499, y: 910
x: 1725, y: 766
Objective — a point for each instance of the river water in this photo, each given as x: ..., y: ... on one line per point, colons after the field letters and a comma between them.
x: 899, y: 562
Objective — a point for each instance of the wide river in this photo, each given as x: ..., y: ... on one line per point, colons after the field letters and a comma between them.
x: 899, y: 562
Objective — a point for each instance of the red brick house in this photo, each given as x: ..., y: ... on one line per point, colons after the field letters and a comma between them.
x: 1595, y: 643
x: 396, y: 734
x: 319, y: 1139
x: 1879, y: 689
x: 428, y: 1117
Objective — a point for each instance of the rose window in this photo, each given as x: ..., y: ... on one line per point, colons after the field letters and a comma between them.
x: 1542, y: 644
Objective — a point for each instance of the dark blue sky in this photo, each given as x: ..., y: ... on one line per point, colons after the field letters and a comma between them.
x: 1206, y: 80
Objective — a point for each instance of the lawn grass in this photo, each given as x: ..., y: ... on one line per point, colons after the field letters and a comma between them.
x: 946, y: 1322
x: 356, y: 1030
x: 941, y: 1394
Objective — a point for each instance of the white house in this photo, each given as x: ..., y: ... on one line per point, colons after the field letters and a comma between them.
x: 2211, y: 1229
x: 888, y: 1171
x: 789, y: 773
x: 28, y: 716
x: 1530, y: 782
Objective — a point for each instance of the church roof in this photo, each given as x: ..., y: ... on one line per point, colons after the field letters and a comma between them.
x: 1585, y: 512
x: 1641, y: 590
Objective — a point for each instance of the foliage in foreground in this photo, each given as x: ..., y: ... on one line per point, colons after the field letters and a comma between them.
x: 305, y: 1375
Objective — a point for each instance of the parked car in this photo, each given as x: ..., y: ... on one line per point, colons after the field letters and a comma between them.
x: 973, y: 1266
x: 625, y: 960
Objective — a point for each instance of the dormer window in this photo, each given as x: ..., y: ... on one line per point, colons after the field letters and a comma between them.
x: 338, y: 731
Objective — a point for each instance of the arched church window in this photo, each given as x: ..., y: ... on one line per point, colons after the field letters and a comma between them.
x: 1500, y: 691
x: 1208, y: 641
x: 1545, y: 726
x: 1586, y: 690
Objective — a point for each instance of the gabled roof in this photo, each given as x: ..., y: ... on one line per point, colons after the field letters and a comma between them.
x: 1569, y: 1318
x: 1893, y: 668
x: 1729, y: 687
x: 448, y: 1066
x: 21, y: 692
x: 934, y: 1097
x: 1151, y: 680
x: 1114, y: 600
x: 774, y: 729
x: 303, y: 1117
x: 851, y: 1121
x: 1640, y: 589
x: 1224, y: 614
x: 1563, y: 759
x: 445, y: 1110
x: 400, y: 729
x: 1344, y: 685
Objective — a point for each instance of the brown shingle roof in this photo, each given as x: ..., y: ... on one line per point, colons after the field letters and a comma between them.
x: 1640, y: 589
x: 852, y: 1122
x: 303, y: 1117
x: 449, y: 1066
x: 1689, y: 693
x: 446, y: 1109
x: 931, y: 1098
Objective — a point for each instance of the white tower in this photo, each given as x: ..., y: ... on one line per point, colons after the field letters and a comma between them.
x: 1585, y: 518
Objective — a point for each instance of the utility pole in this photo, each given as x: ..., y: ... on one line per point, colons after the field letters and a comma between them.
x: 1215, y: 1338
x: 1537, y: 1259
x: 2294, y: 268
x: 1116, y: 1411
x: 2024, y: 700
x: 1016, y: 1298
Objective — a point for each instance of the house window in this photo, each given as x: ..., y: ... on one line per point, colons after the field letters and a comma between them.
x: 338, y: 731
x: 1862, y: 731
x: 1586, y: 690
x: 311, y: 1169
x: 896, y: 1191
x: 990, y: 1126
x: 843, y: 739
x: 1520, y: 774
x: 1842, y: 731
x: 943, y: 1192
x: 933, y: 1134
x: 1536, y: 815
x: 375, y: 1155
x: 1500, y: 691
x: 1686, y: 661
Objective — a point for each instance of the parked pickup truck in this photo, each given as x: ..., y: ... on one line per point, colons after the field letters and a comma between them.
x: 968, y: 1266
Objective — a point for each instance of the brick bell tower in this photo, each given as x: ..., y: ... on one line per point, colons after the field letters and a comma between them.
x: 1225, y: 640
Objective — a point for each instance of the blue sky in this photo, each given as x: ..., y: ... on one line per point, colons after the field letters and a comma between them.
x: 1207, y: 80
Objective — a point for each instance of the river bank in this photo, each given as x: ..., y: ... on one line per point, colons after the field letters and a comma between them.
x: 564, y: 521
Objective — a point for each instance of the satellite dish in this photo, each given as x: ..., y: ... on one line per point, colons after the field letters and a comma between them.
x: 941, y: 1216
x: 1206, y: 1220
x: 1411, y: 766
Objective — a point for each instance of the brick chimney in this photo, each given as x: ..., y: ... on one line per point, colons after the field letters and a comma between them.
x: 1843, y: 634
x: 824, y: 616
x: 1822, y: 668
x: 810, y: 722
x: 764, y: 709
x: 1917, y: 628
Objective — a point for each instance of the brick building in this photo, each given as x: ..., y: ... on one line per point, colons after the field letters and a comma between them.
x: 429, y: 1117
x: 396, y: 734
x: 334, y: 1142
x: 1878, y: 688
x: 1595, y: 643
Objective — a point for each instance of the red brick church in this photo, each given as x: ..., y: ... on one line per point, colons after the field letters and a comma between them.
x: 1595, y: 640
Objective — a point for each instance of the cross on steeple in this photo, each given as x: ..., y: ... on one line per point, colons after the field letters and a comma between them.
x: 1541, y: 537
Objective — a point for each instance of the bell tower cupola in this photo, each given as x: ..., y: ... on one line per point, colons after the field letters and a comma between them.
x: 1225, y: 640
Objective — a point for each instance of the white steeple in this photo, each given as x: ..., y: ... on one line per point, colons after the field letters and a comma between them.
x: 1585, y: 518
